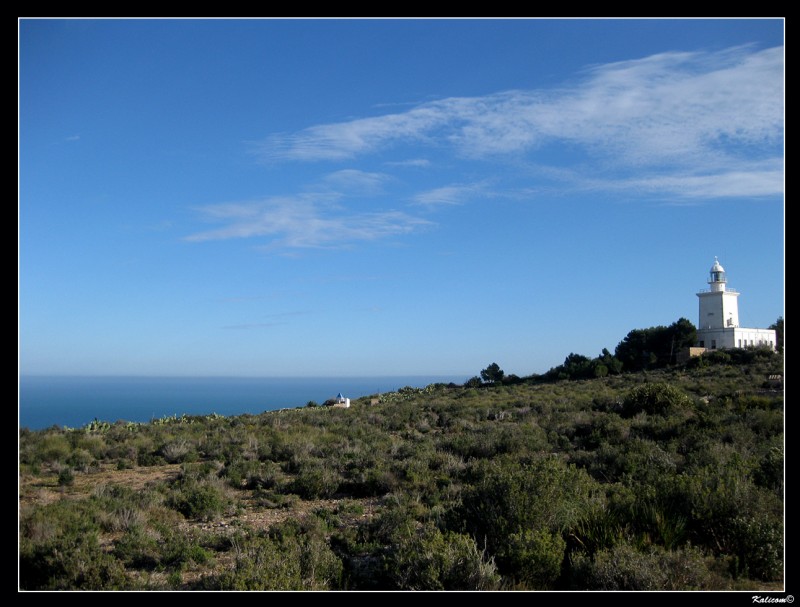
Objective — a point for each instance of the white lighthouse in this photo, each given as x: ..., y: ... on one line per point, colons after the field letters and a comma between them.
x: 718, y: 325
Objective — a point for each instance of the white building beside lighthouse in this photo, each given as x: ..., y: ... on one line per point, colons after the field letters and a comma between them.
x: 718, y: 325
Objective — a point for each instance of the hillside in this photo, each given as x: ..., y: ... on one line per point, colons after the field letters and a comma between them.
x: 669, y: 479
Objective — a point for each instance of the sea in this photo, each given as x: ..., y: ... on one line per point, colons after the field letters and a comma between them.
x: 46, y: 401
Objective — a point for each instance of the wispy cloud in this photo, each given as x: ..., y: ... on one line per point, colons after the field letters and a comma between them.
x: 748, y: 179
x: 411, y: 162
x: 673, y: 114
x: 302, y: 222
x: 678, y: 126
x: 64, y: 140
x: 724, y: 184
x: 355, y: 182
x: 343, y: 140
x: 447, y: 195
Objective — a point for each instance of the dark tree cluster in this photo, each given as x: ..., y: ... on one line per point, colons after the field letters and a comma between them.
x: 655, y: 347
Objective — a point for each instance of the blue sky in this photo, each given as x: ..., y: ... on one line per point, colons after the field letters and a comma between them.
x: 369, y: 197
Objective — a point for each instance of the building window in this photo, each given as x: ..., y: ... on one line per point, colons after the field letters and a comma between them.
x: 740, y: 343
x: 702, y: 344
x: 713, y: 344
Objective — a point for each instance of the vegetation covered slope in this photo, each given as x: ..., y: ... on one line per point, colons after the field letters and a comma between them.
x: 666, y: 479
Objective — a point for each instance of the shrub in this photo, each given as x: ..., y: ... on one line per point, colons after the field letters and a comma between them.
x: 371, y: 480
x: 534, y: 558
x: 654, y: 399
x: 65, y: 476
x: 759, y: 543
x: 59, y: 550
x: 53, y: 448
x: 509, y: 497
x: 395, y: 521
x: 287, y: 558
x: 81, y: 459
x: 350, y: 507
x: 315, y: 481
x: 178, y: 550
x: 199, y: 499
x: 124, y: 464
x: 431, y: 560
x: 137, y: 549
x: 74, y: 562
x: 770, y: 470
x: 625, y: 568
x: 177, y: 451
x: 147, y: 458
x: 126, y: 517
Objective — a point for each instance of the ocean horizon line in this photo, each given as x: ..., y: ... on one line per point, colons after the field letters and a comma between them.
x: 74, y: 401
x: 211, y: 376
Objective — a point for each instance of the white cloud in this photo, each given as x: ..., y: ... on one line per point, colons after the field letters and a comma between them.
x: 411, y: 162
x: 724, y: 184
x: 302, y: 222
x: 447, y: 195
x: 739, y: 179
x: 682, y: 126
x: 355, y: 182
x: 347, y: 139
x: 679, y: 114
x: 674, y: 107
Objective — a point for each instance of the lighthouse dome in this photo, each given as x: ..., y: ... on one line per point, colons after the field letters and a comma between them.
x: 717, y: 267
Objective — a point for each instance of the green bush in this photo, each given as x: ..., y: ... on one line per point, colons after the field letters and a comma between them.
x: 534, y: 558
x: 251, y: 474
x: 137, y: 549
x: 431, y: 560
x: 177, y: 550
x: 59, y: 549
x: 66, y: 476
x: 372, y: 480
x: 75, y: 562
x: 654, y: 399
x: 395, y: 521
x: 147, y: 458
x: 508, y: 497
x: 287, y: 558
x: 315, y: 481
x: 81, y: 459
x: 53, y: 448
x: 178, y: 451
x: 199, y: 500
x: 769, y: 473
x: 625, y: 568
x: 759, y: 547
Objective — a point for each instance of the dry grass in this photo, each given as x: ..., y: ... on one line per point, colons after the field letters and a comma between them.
x: 44, y: 489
